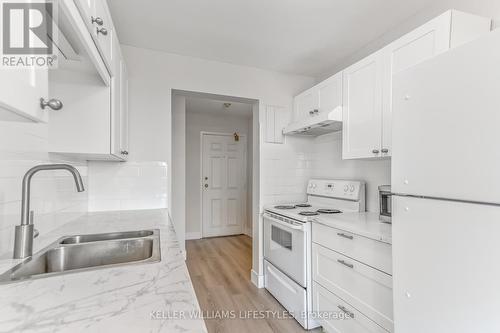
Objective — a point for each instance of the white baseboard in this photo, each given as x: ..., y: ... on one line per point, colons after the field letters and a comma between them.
x: 248, y: 232
x: 193, y: 235
x: 257, y: 280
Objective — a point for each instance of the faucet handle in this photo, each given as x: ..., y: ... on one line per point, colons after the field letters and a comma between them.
x: 36, y: 233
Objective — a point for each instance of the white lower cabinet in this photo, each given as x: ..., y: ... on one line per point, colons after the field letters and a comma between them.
x: 365, y: 288
x: 337, y: 316
x: 352, y: 272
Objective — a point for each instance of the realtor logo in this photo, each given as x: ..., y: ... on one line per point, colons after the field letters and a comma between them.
x: 27, y: 34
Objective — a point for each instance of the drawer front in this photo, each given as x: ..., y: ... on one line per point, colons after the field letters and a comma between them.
x: 337, y: 316
x: 290, y: 294
x: 368, y: 251
x: 367, y: 289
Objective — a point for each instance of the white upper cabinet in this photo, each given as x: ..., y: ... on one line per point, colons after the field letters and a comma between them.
x: 446, y: 31
x: 96, y: 16
x: 306, y: 104
x: 93, y: 123
x: 329, y: 93
x: 367, y: 117
x: 322, y: 98
x: 20, y: 94
x: 362, y: 110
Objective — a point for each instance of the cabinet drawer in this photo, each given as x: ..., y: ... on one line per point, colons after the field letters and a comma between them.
x: 326, y: 304
x: 368, y: 251
x: 367, y: 289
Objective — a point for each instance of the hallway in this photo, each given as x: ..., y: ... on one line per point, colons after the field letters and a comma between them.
x: 220, y: 271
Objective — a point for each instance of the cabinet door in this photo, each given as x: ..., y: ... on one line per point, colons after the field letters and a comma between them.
x: 87, y: 11
x: 124, y: 116
x: 362, y: 111
x: 104, y: 34
x: 417, y: 46
x: 21, y: 90
x: 306, y: 103
x: 329, y: 93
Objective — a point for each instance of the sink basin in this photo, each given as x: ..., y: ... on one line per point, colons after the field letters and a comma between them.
x: 104, y: 237
x: 88, y: 252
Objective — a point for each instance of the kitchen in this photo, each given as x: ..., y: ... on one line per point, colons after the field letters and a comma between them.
x: 318, y: 125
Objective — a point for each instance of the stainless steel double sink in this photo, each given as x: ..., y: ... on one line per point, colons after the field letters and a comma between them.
x: 88, y: 252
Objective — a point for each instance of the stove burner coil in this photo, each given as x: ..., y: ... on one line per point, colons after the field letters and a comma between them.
x: 308, y: 213
x: 285, y: 207
x: 328, y: 211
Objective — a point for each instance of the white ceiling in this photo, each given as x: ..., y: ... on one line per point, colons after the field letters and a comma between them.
x: 305, y: 37
x: 216, y: 107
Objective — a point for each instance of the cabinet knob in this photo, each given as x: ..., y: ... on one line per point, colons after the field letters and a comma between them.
x: 102, y: 31
x: 52, y: 103
x: 311, y: 112
x: 97, y: 20
x: 315, y: 111
x: 385, y: 150
x: 375, y: 151
x: 124, y: 152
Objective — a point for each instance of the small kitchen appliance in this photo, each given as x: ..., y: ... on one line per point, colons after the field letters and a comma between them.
x: 385, y: 203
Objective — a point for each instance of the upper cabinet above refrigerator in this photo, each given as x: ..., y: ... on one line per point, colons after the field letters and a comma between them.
x: 368, y: 84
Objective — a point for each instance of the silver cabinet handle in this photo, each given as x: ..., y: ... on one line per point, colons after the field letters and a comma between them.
x: 341, y: 234
x: 52, y: 103
x: 124, y: 152
x: 375, y: 151
x: 385, y: 150
x: 316, y: 111
x: 347, y: 312
x: 97, y: 20
x: 311, y: 112
x: 102, y: 31
x: 345, y: 263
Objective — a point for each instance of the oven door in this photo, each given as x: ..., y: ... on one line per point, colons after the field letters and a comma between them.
x: 285, y: 246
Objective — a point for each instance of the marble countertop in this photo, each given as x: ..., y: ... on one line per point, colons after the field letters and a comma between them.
x: 365, y: 224
x: 145, y: 297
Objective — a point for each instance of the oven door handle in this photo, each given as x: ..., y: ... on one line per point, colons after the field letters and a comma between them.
x: 285, y: 224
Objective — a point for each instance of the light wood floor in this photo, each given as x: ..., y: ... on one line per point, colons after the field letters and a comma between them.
x: 220, y: 271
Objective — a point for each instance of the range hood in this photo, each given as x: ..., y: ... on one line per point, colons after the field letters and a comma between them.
x: 323, y: 123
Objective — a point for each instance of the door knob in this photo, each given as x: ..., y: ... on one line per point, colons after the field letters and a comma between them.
x: 52, y: 103
x: 97, y: 20
x: 102, y: 31
x: 206, y: 185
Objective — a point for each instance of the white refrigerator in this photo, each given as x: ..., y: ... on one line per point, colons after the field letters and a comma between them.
x: 446, y: 177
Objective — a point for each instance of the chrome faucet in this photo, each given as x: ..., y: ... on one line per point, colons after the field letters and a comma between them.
x: 23, y: 242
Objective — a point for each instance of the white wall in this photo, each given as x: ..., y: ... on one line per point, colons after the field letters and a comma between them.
x: 152, y: 77
x: 486, y: 8
x: 54, y: 198
x: 327, y: 163
x: 197, y: 122
x: 177, y: 198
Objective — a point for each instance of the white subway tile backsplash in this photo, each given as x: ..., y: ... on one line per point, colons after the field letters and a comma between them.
x: 127, y: 186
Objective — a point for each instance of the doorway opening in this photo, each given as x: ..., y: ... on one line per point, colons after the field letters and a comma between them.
x: 214, y: 165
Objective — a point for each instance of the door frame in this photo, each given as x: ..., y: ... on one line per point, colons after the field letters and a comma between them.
x: 245, y: 162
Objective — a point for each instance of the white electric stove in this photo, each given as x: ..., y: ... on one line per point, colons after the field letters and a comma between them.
x: 287, y: 241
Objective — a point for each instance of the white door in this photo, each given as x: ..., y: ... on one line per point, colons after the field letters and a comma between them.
x: 362, y: 111
x: 446, y: 266
x: 224, y: 185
